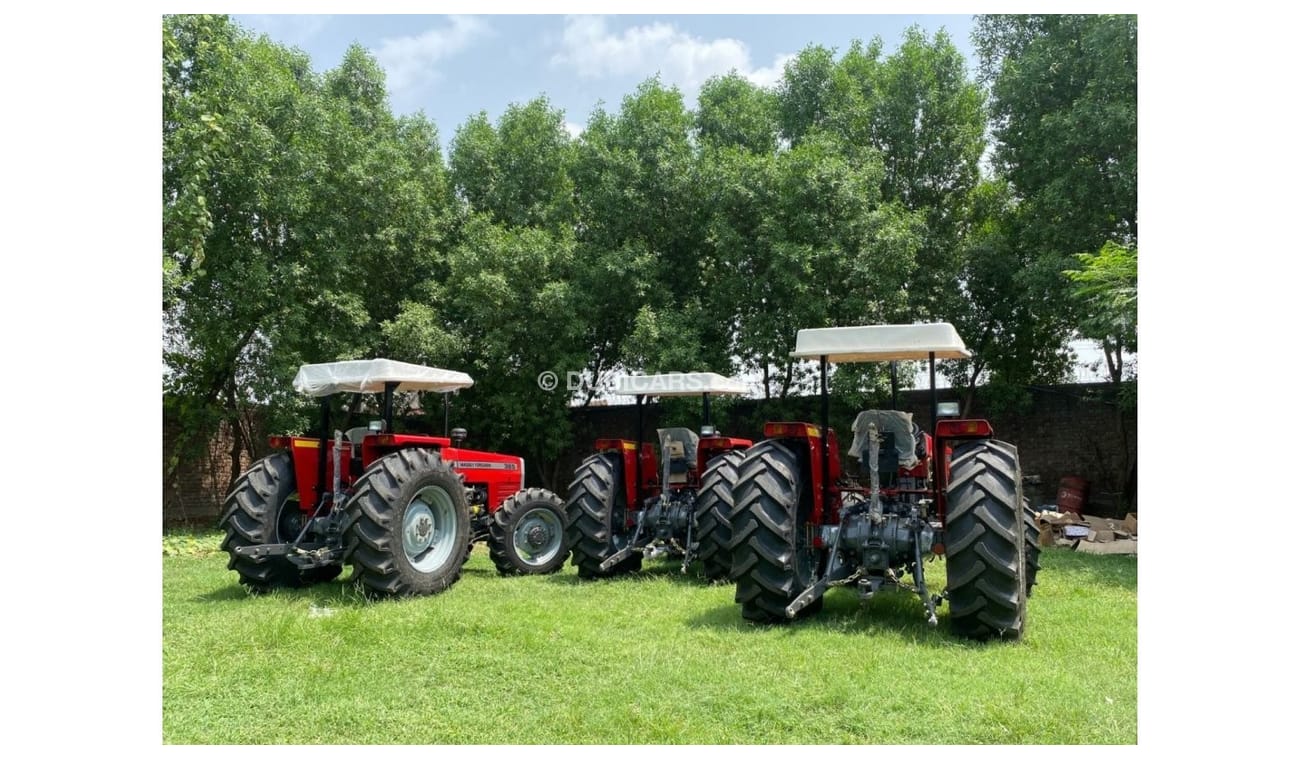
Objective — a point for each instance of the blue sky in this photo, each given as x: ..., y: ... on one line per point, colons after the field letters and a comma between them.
x: 454, y: 66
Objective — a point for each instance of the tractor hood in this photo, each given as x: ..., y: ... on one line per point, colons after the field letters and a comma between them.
x: 370, y: 376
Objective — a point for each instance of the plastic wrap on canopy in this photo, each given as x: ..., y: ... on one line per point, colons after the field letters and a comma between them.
x: 881, y: 343
x: 371, y: 375
x: 679, y: 384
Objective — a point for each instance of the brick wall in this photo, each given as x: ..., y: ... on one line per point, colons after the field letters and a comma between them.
x: 197, y: 487
x: 1065, y: 430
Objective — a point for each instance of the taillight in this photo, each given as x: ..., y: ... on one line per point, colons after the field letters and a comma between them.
x: 791, y: 429
x: 964, y: 429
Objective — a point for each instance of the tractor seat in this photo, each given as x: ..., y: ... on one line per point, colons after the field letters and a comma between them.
x: 677, y: 465
x: 919, y: 436
x: 678, y: 447
x: 355, y: 436
x: 887, y: 421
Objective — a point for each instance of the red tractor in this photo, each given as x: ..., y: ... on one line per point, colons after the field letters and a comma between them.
x: 624, y: 506
x: 802, y: 524
x: 403, y: 510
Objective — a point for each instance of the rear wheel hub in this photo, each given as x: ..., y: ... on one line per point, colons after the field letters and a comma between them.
x: 429, y: 529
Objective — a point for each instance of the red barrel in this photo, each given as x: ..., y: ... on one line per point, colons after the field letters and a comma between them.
x: 1072, y: 494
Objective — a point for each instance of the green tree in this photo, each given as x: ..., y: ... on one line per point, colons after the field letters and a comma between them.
x: 515, y: 311
x: 1106, y: 286
x: 298, y: 215
x: 1063, y: 106
x: 805, y: 92
x: 924, y: 117
x: 641, y: 221
x: 1064, y: 112
x: 736, y: 112
x: 241, y: 131
x: 519, y: 171
x: 808, y: 241
x: 1010, y: 313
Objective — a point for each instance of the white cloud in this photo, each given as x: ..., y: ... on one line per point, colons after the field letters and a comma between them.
x: 409, y: 61
x: 593, y: 52
x: 574, y: 130
x: 770, y: 75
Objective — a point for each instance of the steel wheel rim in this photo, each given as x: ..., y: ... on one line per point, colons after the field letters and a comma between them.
x: 288, y: 521
x: 429, y: 529
x: 538, y: 536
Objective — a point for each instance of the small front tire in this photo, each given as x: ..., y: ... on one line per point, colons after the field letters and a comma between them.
x: 526, y: 534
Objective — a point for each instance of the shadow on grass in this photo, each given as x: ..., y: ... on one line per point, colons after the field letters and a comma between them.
x: 480, y: 572
x: 338, y: 593
x: 890, y: 613
x: 667, y: 570
x: 1067, y: 566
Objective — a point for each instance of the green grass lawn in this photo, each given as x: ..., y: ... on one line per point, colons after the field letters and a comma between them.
x: 656, y: 658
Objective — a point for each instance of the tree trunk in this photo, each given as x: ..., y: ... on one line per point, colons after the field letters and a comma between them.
x: 595, y: 381
x: 968, y: 398
x: 1113, y: 366
x: 552, y: 479
x: 237, y: 444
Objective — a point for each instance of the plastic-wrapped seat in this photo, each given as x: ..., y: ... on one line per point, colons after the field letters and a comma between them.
x: 887, y: 421
x: 678, y: 447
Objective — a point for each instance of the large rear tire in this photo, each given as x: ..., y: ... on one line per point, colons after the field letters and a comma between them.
x: 771, y: 559
x: 595, y: 510
x: 407, y: 527
x: 526, y: 534
x: 1032, y: 549
x: 713, y: 509
x: 987, y: 560
x: 263, y: 508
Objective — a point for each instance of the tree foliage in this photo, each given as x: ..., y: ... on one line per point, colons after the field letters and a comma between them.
x: 1106, y: 287
x: 1064, y: 110
x: 303, y: 221
x: 296, y: 213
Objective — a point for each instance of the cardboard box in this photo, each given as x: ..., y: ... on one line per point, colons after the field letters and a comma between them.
x: 1126, y: 546
x: 1103, y: 523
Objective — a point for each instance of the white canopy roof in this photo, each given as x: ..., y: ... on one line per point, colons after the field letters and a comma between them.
x: 678, y: 384
x: 370, y: 375
x: 881, y: 343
